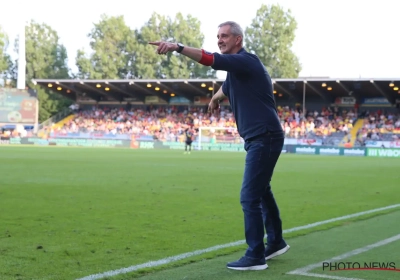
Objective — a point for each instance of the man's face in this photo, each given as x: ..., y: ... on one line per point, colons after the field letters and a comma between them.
x: 227, y: 42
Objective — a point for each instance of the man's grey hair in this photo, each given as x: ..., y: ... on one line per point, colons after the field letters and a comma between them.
x: 235, y: 28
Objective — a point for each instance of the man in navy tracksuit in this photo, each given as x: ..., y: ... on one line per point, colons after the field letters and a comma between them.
x: 248, y: 87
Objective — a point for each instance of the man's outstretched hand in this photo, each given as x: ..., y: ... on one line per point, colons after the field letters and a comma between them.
x: 164, y: 47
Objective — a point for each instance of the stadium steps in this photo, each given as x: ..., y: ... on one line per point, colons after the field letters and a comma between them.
x: 64, y: 121
x: 359, y: 123
x: 58, y: 124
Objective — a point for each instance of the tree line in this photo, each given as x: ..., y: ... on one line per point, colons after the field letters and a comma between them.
x: 120, y: 52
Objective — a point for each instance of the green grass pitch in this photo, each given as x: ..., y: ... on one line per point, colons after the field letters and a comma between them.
x: 67, y: 213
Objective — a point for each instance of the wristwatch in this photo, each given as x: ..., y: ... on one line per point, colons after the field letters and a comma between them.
x: 180, y: 47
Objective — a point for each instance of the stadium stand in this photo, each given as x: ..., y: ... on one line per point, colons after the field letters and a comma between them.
x: 167, y: 123
x: 337, y: 113
x: 378, y: 127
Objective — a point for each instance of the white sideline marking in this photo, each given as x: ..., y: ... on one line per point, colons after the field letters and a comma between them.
x: 305, y: 270
x: 218, y: 247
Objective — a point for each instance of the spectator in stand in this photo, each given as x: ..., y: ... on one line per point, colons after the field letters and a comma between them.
x: 378, y: 126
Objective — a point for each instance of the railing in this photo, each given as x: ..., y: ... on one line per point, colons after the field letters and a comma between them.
x: 54, y: 119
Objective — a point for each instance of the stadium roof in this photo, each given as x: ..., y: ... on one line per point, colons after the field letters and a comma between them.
x: 284, y: 89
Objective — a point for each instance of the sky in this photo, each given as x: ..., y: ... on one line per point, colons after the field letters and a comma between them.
x: 336, y: 39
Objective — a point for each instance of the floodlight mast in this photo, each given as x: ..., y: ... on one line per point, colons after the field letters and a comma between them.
x: 21, y: 83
